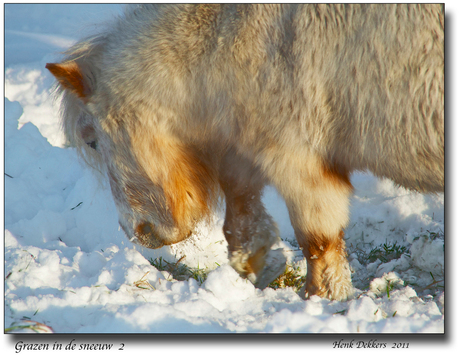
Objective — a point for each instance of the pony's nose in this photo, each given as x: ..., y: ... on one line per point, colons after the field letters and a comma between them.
x: 147, y: 236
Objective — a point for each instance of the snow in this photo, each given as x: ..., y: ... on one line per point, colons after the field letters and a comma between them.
x: 70, y: 269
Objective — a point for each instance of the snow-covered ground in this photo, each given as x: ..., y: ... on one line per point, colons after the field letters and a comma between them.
x: 70, y: 269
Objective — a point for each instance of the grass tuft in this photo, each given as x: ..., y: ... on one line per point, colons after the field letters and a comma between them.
x: 143, y: 283
x: 387, y: 252
x: 292, y: 277
x: 180, y: 271
x: 431, y: 235
x: 27, y: 325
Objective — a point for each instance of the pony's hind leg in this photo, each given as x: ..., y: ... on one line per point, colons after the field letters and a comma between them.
x: 249, y: 230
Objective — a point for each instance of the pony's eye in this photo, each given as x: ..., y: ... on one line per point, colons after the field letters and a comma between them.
x: 92, y: 144
x: 88, y: 134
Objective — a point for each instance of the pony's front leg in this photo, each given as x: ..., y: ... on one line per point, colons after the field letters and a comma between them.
x: 317, y: 197
x: 249, y: 229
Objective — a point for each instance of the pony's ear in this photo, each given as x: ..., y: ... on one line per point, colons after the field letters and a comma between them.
x: 71, y: 77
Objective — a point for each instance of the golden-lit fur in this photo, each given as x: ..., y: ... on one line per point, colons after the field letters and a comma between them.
x: 184, y: 102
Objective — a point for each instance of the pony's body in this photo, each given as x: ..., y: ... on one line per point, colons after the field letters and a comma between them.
x: 186, y: 101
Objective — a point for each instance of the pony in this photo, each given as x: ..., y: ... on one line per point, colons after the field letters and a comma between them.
x: 183, y: 104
